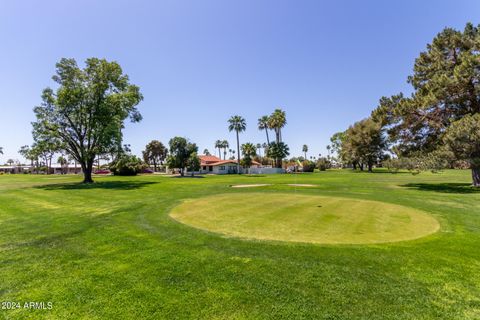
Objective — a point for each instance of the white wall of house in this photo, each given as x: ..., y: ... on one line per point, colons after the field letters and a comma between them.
x: 225, y: 168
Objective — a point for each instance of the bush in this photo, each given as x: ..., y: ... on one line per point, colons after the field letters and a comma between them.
x: 308, y: 166
x: 323, y: 164
x: 127, y: 165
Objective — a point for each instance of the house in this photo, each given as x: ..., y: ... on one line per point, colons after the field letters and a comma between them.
x: 215, y: 165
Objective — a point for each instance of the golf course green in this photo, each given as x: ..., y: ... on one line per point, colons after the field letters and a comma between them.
x: 303, y: 218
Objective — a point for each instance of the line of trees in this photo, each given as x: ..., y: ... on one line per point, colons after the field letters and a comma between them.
x: 439, y: 120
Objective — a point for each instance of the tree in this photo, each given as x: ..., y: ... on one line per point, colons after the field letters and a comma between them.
x: 206, y: 152
x: 263, y: 125
x: 155, y: 153
x: 180, y: 152
x: 276, y: 121
x: 463, y: 138
x: 46, y: 147
x: 278, y: 151
x: 62, y: 161
x: 248, y: 151
x: 366, y: 142
x: 1, y: 150
x: 10, y: 162
x: 193, y: 163
x: 237, y: 124
x: 86, y: 113
x: 218, y: 145
x: 259, y: 148
x: 225, y: 145
x: 305, y: 150
x: 446, y: 83
x: 126, y: 165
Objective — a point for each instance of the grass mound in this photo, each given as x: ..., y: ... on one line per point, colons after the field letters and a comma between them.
x: 304, y: 218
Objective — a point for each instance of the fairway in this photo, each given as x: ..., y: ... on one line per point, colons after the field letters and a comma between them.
x: 112, y: 250
x: 301, y: 218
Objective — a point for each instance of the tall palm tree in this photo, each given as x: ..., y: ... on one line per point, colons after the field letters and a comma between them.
x: 238, y: 124
x: 218, y: 145
x: 305, y: 150
x: 225, y: 145
x: 276, y: 121
x: 249, y: 151
x: 263, y: 125
x: 1, y: 150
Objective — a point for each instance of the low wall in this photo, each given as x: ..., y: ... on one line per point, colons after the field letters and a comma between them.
x: 264, y: 170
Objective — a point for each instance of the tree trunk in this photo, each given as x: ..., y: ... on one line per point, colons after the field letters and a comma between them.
x: 268, y: 139
x: 361, y: 166
x: 238, y: 152
x: 370, y: 167
x: 476, y: 176
x: 87, y: 169
x: 354, y: 164
x: 154, y: 165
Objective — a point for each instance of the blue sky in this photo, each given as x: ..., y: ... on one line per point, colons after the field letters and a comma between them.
x: 199, y: 62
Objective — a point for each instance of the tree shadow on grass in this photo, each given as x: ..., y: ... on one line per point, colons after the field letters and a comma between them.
x: 112, y: 185
x: 443, y: 187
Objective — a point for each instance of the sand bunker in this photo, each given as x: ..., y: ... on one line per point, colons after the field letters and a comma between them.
x: 250, y: 185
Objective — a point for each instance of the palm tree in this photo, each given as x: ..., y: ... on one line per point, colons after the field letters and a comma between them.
x: 218, y: 145
x: 259, y: 148
x: 249, y: 151
x: 305, y: 150
x: 238, y: 124
x: 206, y: 152
x: 225, y: 145
x: 263, y: 125
x: 276, y: 121
x: 1, y: 150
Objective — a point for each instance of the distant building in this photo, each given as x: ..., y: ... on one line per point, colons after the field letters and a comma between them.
x: 215, y: 165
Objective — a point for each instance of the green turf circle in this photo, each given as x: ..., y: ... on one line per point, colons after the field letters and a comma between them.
x: 305, y: 218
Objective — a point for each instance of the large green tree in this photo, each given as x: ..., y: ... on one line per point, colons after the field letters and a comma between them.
x: 155, y: 153
x: 278, y: 151
x: 237, y: 124
x: 180, y: 153
x: 366, y: 142
x: 276, y: 121
x: 463, y: 138
x: 446, y: 83
x: 249, y: 151
x: 87, y: 110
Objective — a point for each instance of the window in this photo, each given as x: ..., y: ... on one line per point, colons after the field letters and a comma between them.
x: 222, y: 167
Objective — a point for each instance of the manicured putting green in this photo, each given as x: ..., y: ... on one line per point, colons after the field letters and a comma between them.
x: 304, y: 218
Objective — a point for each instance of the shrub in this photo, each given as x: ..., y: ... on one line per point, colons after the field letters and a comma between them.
x: 308, y: 166
x: 323, y: 164
x: 127, y: 165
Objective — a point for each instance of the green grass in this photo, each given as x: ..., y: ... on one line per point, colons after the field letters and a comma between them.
x: 111, y: 251
x: 305, y: 218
